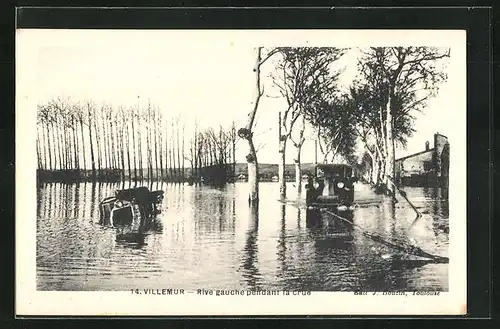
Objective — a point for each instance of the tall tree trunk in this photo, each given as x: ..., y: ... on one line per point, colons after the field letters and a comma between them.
x: 97, y: 142
x: 155, y: 124
x: 104, y: 142
x: 133, y: 141
x: 67, y: 141
x: 77, y: 142
x: 167, y: 153
x: 160, y: 149
x: 111, y: 147
x: 54, y: 144
x: 83, y: 145
x: 183, y: 156
x: 139, y: 141
x: 172, y: 164
x: 48, y: 144
x: 372, y: 178
x: 127, y: 143
x: 298, y: 147
x: 199, y: 165
x: 178, y: 150
x: 109, y: 152
x: 246, y: 133
x: 389, y: 170
x: 151, y: 147
x: 298, y: 176
x: 383, y: 140
x: 172, y: 148
x: 76, y: 150
x: 60, y: 130
x: 118, y: 143
x: 253, y: 174
x: 66, y: 149
x: 148, y: 144
x: 112, y: 142
x: 196, y: 153
x: 60, y: 145
x: 69, y: 144
x: 193, y: 159
x: 210, y: 156
x: 38, y: 153
x: 282, y: 152
x: 380, y: 159
x: 122, y: 148
x: 118, y: 147
x: 233, y: 135
x: 44, y: 146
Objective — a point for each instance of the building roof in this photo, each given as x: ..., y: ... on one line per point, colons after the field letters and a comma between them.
x: 415, y: 154
x: 441, y: 135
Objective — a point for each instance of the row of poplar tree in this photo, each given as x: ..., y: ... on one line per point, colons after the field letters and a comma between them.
x: 101, y: 141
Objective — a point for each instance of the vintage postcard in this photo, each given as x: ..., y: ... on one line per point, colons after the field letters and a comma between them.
x: 240, y: 172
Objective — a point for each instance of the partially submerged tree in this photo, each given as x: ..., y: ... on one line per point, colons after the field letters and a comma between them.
x: 298, y: 142
x: 397, y: 82
x: 302, y: 76
x: 247, y: 131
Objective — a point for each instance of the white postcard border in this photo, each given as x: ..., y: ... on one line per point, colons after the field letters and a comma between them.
x: 29, y: 301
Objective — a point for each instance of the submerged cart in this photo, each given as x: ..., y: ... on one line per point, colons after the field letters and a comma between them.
x: 129, y: 206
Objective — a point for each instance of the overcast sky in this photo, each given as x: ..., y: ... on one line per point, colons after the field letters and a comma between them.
x: 194, y: 75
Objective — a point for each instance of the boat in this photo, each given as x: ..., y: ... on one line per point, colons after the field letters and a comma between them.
x: 129, y: 206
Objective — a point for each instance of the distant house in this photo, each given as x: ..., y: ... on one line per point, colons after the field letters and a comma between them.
x: 429, y: 167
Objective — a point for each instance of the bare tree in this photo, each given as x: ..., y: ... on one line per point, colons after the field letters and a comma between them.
x: 156, y: 121
x: 401, y: 80
x: 179, y: 174
x: 183, y: 155
x: 160, y: 141
x: 302, y: 76
x: 247, y: 133
x: 298, y: 141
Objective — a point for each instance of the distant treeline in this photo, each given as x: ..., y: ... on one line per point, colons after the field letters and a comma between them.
x: 230, y: 172
x: 79, y: 141
x: 267, y: 170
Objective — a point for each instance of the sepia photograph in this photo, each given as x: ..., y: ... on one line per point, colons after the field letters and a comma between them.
x: 242, y: 164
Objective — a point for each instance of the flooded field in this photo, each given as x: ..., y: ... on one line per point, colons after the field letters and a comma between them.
x: 210, y: 238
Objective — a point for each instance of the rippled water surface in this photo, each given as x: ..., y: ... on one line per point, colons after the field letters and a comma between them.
x: 210, y: 238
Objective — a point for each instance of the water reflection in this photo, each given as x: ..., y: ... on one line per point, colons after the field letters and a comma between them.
x: 134, y: 235
x: 281, y: 246
x: 211, y: 238
x: 250, y: 251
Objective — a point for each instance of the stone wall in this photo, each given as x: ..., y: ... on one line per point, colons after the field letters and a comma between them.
x: 427, y: 167
x: 417, y: 164
x: 440, y: 143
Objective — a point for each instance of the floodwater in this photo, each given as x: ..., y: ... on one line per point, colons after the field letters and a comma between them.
x: 211, y: 238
